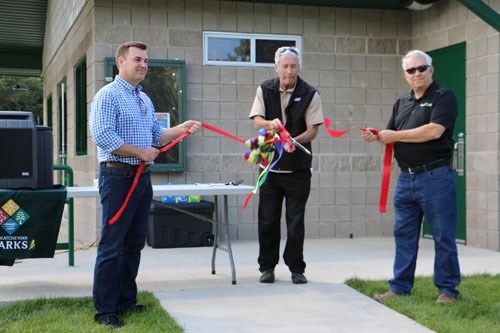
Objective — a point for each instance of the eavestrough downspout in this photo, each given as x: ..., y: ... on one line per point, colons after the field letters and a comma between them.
x: 485, y: 12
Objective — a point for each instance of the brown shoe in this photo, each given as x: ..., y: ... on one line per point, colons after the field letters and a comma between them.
x: 445, y: 298
x: 386, y: 295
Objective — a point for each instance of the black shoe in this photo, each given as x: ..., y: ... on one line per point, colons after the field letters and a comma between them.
x: 267, y: 276
x: 111, y: 321
x: 298, y: 278
x: 134, y: 309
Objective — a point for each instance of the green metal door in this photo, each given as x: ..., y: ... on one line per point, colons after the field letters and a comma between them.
x: 449, y: 63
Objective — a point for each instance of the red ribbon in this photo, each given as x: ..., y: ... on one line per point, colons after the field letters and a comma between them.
x: 215, y: 129
x: 385, y: 176
x: 386, y: 172
x: 335, y: 134
x: 173, y: 143
x: 138, y: 174
x: 263, y: 175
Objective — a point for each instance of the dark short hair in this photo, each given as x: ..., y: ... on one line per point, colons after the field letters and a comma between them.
x: 122, y: 49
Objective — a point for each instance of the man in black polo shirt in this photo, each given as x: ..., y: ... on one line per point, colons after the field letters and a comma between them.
x: 421, y: 128
x: 287, y: 100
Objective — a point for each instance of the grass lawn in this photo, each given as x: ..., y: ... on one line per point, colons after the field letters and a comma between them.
x: 67, y: 315
x: 477, y: 309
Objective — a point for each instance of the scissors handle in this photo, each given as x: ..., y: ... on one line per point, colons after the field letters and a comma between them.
x: 285, y: 135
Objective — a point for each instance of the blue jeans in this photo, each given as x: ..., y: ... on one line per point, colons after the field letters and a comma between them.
x: 119, y: 251
x: 433, y: 194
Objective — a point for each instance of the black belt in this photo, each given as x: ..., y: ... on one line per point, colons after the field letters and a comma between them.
x: 126, y: 166
x: 427, y: 167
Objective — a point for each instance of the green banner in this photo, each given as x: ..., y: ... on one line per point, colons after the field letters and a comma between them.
x: 30, y: 221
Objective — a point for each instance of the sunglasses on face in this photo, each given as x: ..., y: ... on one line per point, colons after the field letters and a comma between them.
x: 421, y: 69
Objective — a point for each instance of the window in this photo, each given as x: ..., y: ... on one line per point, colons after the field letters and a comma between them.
x: 234, y: 49
x: 81, y: 108
x: 165, y: 85
x: 49, y: 111
x: 62, y: 121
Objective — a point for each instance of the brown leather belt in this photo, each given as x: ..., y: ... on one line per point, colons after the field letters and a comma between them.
x: 126, y: 166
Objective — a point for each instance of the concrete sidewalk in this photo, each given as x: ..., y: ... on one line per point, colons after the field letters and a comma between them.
x: 203, y: 303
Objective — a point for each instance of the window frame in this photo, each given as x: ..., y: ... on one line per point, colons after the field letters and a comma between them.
x: 180, y: 65
x: 81, y: 108
x: 49, y: 111
x: 253, y: 38
x: 62, y: 121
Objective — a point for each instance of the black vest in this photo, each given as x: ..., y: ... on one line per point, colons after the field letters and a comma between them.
x: 295, y: 119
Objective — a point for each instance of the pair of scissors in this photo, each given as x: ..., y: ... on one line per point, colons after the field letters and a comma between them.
x: 286, y: 136
x: 236, y: 183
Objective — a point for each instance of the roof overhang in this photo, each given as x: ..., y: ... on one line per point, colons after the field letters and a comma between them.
x: 22, y: 26
x: 369, y: 4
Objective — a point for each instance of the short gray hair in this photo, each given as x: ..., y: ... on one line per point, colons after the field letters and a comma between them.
x: 286, y: 50
x: 416, y: 54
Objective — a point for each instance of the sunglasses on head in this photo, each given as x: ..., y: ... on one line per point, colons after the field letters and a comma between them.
x: 421, y: 69
x: 288, y: 48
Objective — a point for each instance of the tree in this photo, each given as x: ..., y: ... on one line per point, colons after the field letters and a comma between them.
x: 21, y: 93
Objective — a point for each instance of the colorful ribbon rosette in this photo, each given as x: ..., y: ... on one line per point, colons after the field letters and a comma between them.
x: 262, y: 150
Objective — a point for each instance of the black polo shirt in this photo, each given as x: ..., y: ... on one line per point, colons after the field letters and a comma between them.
x: 438, y: 105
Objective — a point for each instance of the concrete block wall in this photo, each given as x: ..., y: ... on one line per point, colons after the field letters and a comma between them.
x: 448, y: 23
x: 352, y: 56
x: 69, y: 39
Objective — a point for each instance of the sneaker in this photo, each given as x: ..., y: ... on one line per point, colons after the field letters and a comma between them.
x: 445, y: 298
x: 111, y: 321
x: 267, y: 276
x: 384, y: 296
x: 298, y: 278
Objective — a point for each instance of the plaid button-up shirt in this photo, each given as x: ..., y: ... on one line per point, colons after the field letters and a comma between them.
x: 120, y: 114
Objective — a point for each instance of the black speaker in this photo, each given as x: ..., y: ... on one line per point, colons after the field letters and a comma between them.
x: 26, y: 152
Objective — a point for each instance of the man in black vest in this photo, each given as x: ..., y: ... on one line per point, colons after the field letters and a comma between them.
x: 290, y: 101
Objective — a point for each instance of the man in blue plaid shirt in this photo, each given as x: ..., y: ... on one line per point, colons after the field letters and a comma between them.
x: 124, y: 128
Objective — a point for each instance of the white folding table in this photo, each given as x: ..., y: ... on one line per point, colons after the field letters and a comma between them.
x: 215, y: 190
